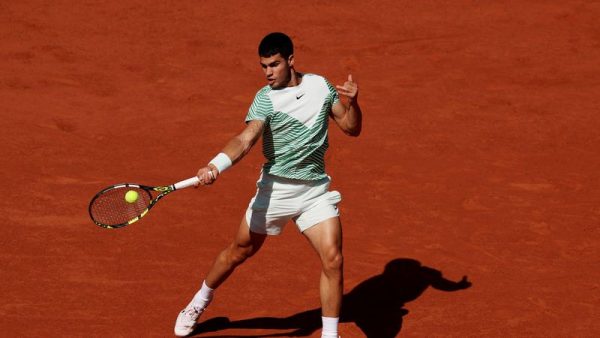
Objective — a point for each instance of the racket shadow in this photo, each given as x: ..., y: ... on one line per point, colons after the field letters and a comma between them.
x: 376, y: 305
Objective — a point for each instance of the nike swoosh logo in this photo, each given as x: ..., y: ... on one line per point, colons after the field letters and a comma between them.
x: 299, y: 96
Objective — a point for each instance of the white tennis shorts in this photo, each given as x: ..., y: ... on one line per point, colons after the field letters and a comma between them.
x: 279, y: 200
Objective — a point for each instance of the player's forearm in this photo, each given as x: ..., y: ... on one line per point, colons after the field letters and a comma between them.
x: 353, y: 119
x: 237, y: 148
x: 234, y: 151
x: 241, y: 144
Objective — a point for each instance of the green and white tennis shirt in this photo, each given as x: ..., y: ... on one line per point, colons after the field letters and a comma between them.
x: 296, y: 122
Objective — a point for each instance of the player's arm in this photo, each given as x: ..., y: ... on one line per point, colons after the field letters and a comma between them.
x: 233, y: 152
x: 348, y: 116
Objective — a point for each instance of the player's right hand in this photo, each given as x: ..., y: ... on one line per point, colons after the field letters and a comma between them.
x: 207, y: 175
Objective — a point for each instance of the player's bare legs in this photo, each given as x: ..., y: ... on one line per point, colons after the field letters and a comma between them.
x: 326, y: 239
x: 245, y: 244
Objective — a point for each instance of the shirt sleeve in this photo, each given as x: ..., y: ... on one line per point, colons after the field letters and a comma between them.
x: 261, y: 108
x: 333, y: 94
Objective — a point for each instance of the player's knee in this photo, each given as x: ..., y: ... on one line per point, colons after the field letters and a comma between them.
x: 333, y: 261
x: 238, y: 254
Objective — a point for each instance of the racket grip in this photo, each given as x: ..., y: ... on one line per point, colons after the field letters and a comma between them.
x: 186, y: 183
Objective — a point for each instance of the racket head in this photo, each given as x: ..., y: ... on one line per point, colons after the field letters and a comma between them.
x: 109, y: 209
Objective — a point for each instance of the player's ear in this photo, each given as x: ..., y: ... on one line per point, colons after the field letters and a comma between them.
x: 291, y: 60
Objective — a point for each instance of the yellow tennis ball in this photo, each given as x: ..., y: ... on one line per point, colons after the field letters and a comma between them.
x: 131, y: 196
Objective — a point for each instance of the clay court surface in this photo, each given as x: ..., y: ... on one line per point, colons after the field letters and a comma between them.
x: 479, y: 157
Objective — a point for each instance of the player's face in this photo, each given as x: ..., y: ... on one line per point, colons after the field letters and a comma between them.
x: 277, y: 70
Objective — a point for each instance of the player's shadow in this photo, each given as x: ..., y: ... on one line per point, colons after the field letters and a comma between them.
x: 376, y: 305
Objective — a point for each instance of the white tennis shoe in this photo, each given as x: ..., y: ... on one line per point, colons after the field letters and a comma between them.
x: 187, y: 320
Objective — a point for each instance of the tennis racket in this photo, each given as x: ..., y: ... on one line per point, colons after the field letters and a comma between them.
x: 109, y: 208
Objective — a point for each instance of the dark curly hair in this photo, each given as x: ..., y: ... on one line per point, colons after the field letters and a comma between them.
x: 275, y: 43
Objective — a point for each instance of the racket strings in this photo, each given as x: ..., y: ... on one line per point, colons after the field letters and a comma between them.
x: 110, y: 208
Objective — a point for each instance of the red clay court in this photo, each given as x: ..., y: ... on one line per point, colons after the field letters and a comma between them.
x: 479, y: 157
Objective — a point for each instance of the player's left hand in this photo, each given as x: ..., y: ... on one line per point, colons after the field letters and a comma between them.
x: 349, y: 89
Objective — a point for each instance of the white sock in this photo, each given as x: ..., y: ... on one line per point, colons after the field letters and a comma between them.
x: 203, y: 297
x: 330, y: 327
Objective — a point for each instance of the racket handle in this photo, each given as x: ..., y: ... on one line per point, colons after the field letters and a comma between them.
x: 186, y: 183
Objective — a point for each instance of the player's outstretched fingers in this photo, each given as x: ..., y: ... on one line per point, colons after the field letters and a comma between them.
x: 349, y: 89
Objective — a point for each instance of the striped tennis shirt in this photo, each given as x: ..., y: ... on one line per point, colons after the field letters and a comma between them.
x: 296, y: 122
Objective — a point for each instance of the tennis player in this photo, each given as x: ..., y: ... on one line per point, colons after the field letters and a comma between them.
x: 292, y: 115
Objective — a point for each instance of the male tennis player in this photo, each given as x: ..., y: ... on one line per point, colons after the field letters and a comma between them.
x: 291, y: 114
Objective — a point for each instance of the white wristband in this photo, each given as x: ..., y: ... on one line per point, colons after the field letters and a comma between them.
x: 222, y: 162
